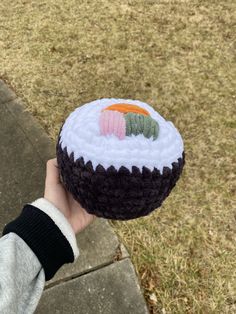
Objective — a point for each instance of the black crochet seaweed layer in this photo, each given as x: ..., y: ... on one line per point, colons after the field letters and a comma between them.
x: 113, y: 194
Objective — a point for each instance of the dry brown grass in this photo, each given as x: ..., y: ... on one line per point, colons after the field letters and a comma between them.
x: 178, y: 56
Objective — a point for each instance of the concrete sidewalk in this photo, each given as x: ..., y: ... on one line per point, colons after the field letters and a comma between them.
x: 102, y: 280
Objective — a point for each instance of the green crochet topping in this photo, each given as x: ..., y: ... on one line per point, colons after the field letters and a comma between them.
x: 140, y: 124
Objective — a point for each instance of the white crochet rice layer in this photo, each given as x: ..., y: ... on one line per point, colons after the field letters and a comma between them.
x: 81, y: 134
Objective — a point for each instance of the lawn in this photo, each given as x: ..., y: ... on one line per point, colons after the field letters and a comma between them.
x: 179, y: 56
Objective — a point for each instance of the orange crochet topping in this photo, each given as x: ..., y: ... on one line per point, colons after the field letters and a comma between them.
x: 126, y: 108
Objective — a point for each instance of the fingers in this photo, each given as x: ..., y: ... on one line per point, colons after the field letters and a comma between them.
x: 52, y: 172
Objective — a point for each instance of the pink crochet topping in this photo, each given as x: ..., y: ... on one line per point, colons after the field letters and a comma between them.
x: 112, y: 122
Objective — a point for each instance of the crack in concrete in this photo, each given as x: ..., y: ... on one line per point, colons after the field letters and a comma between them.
x: 75, y: 276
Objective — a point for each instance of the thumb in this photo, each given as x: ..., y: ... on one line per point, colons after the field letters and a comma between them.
x: 52, y: 172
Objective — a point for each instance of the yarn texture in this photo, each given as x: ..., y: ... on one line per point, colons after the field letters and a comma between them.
x: 81, y: 135
x: 112, y: 194
x: 119, y: 158
x: 140, y: 124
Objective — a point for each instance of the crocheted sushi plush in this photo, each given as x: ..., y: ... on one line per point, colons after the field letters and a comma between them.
x: 119, y: 158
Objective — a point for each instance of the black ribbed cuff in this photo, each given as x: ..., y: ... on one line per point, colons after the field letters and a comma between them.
x: 44, y: 238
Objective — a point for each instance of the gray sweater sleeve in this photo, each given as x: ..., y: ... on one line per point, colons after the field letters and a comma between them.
x: 22, y: 277
x: 33, y: 247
